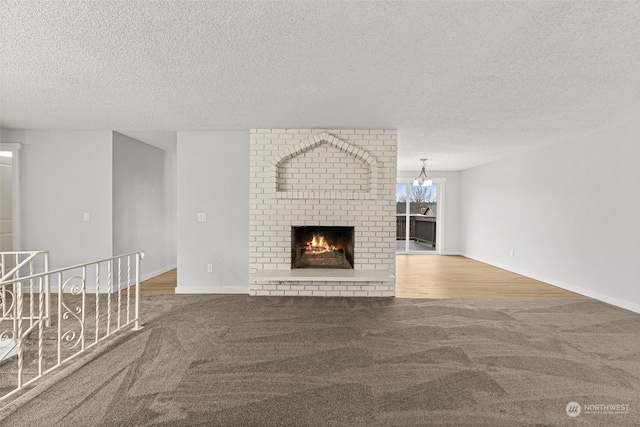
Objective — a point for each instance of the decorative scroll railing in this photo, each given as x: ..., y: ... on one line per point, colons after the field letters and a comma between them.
x: 12, y: 266
x: 88, y: 303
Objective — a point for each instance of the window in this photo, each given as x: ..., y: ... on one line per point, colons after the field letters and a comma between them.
x: 416, y: 218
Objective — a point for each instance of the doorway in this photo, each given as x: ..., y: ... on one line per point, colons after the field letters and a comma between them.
x: 9, y: 197
x: 420, y: 217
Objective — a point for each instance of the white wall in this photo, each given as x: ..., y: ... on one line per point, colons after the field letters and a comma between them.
x: 170, y: 187
x: 11, y: 135
x: 142, y: 181
x: 571, y: 213
x: 451, y: 205
x: 213, y: 178
x: 63, y: 175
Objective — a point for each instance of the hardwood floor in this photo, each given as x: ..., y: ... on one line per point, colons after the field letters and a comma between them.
x: 434, y: 276
x: 163, y: 284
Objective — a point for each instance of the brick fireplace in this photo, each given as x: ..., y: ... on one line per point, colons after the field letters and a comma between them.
x: 321, y: 247
x: 307, y: 180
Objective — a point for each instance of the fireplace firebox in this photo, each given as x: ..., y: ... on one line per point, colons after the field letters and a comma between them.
x: 321, y: 247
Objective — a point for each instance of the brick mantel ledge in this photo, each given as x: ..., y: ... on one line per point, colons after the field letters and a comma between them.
x: 323, y: 275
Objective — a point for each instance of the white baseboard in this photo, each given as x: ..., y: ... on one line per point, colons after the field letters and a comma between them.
x: 572, y: 288
x: 428, y: 253
x: 158, y: 272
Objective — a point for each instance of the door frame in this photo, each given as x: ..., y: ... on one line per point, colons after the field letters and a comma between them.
x: 15, y: 148
x: 403, y: 178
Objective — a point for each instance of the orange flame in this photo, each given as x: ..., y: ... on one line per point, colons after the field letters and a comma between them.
x: 318, y: 244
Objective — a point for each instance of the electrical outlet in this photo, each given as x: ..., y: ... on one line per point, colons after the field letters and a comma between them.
x: 202, y: 217
x: 209, y: 268
x: 512, y: 253
x: 85, y: 216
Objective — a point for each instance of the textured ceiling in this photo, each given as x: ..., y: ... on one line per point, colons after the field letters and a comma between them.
x: 464, y: 83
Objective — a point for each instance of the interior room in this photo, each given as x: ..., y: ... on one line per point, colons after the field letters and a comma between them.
x: 269, y: 158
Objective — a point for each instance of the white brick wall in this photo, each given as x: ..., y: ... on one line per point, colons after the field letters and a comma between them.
x: 300, y: 173
x: 325, y: 289
x: 303, y: 177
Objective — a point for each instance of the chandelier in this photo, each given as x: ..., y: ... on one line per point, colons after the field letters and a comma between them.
x: 422, y: 178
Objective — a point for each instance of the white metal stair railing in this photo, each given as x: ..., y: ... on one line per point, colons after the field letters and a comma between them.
x: 89, y: 303
x: 12, y: 265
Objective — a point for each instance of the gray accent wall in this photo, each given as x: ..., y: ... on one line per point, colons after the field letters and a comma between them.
x: 213, y: 179
x: 143, y: 204
x: 570, y: 213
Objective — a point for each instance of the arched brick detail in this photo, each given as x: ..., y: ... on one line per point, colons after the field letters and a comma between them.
x: 314, y: 141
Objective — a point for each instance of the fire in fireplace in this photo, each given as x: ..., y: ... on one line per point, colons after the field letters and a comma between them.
x: 321, y: 247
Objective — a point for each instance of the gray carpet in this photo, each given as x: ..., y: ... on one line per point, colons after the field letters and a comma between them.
x: 231, y: 360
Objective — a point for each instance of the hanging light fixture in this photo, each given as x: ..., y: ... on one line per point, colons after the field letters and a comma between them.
x: 422, y: 178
